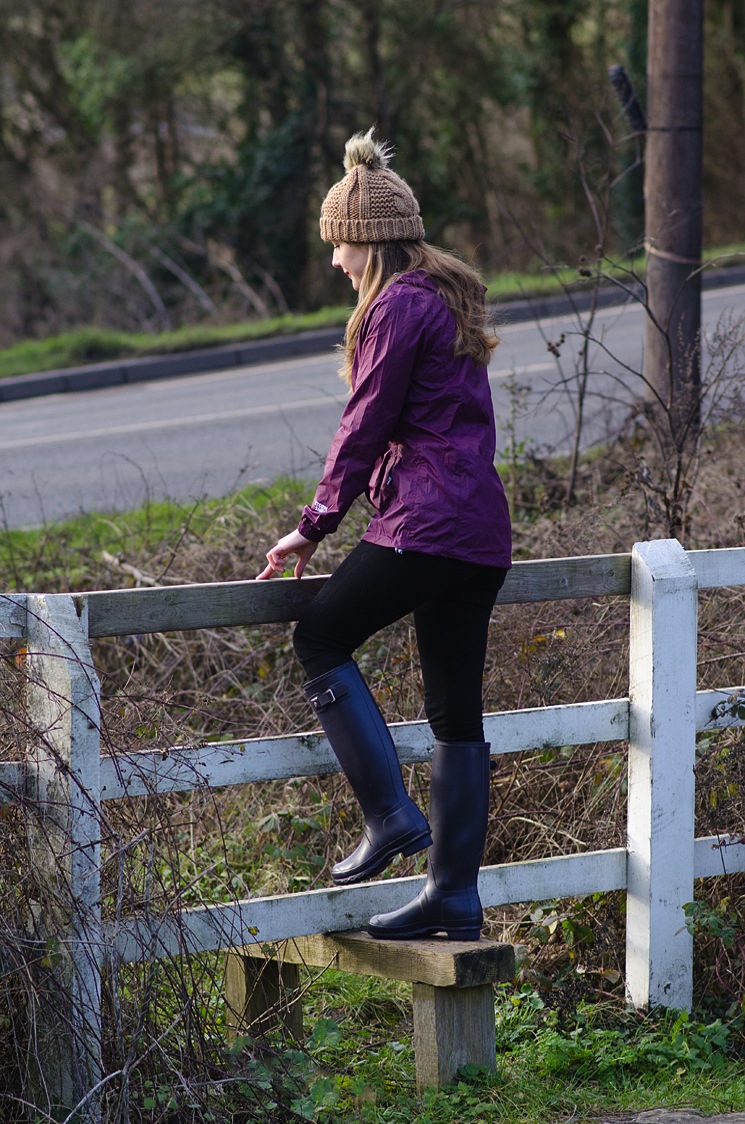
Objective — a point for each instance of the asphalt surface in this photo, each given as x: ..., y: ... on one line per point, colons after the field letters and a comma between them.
x: 119, y: 372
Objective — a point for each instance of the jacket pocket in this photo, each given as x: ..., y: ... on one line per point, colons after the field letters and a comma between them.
x: 436, y: 489
x: 381, y: 487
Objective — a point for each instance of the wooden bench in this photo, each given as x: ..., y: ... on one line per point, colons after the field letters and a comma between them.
x: 452, y: 991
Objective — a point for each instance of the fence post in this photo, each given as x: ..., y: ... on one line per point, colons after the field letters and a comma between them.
x: 63, y: 788
x: 662, y: 741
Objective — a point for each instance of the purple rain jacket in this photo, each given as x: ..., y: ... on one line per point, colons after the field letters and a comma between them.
x: 417, y: 435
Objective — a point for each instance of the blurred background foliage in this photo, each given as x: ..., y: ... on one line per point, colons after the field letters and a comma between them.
x: 162, y: 162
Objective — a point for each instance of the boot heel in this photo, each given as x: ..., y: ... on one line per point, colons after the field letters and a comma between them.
x: 418, y: 844
x: 463, y: 934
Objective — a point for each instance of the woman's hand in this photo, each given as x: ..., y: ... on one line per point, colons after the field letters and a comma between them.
x: 294, y: 543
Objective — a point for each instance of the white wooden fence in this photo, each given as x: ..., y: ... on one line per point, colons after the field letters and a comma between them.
x: 64, y: 779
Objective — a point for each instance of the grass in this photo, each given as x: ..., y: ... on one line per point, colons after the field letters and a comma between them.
x: 356, y: 1062
x: 66, y: 554
x: 94, y: 344
x: 601, y: 1059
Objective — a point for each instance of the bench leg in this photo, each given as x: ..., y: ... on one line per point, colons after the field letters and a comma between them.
x: 262, y: 995
x: 453, y: 1027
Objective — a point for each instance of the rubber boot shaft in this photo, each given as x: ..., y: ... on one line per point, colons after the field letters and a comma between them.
x: 364, y: 748
x: 459, y: 811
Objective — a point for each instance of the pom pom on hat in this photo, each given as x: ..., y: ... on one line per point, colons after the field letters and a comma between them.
x: 362, y: 148
x: 371, y: 203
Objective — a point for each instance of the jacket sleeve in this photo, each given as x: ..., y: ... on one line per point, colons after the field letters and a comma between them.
x: 388, y: 349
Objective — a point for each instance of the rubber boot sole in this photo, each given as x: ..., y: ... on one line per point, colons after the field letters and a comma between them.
x: 377, y: 862
x: 418, y: 932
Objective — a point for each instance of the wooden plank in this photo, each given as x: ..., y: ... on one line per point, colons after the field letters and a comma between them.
x: 261, y: 996
x: 718, y: 854
x: 340, y: 909
x: 554, y: 579
x: 661, y: 769
x: 63, y: 829
x: 212, y: 605
x: 572, y: 876
x: 436, y: 961
x: 121, y: 612
x: 714, y: 709
x: 258, y: 920
x: 541, y: 727
x: 453, y: 1028
x: 12, y: 615
x: 183, y: 768
x: 716, y: 569
x: 565, y: 876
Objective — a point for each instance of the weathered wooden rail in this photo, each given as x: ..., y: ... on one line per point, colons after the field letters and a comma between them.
x: 64, y: 779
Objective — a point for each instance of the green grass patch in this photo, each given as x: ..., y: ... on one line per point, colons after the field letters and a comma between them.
x: 601, y: 1059
x: 67, y: 555
x: 552, y: 280
x: 96, y: 345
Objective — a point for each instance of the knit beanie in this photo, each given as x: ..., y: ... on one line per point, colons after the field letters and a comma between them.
x: 371, y: 203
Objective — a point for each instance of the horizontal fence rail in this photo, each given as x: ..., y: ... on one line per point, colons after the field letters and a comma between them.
x: 658, y: 721
x: 219, y: 764
x: 285, y: 916
x: 122, y: 612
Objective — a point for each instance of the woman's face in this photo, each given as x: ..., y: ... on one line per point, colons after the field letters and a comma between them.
x: 351, y: 257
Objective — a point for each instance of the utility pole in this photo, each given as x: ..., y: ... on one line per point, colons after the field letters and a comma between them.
x: 672, y: 212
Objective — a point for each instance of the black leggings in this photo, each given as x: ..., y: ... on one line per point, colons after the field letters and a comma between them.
x: 451, y: 601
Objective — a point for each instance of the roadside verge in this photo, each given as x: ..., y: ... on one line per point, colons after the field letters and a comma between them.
x: 119, y: 372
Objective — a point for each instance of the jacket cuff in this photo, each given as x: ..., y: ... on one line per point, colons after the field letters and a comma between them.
x: 309, y: 530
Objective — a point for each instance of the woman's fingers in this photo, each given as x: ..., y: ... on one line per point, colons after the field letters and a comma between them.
x: 275, y: 568
x: 304, y: 555
x: 294, y: 543
x: 268, y: 573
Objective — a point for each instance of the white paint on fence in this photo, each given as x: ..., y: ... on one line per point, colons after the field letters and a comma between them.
x: 217, y: 764
x: 63, y: 826
x: 257, y: 759
x: 719, y: 854
x: 297, y: 915
x: 662, y: 749
x: 717, y: 569
x: 283, y: 916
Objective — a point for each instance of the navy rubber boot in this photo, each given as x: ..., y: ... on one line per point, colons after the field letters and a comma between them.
x: 362, y: 743
x: 458, y: 814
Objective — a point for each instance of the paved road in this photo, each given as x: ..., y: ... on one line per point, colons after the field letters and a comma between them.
x: 110, y: 449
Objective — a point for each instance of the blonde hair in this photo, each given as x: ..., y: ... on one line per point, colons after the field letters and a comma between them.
x: 458, y: 284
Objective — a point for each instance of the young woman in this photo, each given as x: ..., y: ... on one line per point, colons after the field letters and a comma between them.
x: 418, y: 436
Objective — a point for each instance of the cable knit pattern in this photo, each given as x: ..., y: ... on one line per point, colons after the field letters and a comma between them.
x: 371, y: 203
